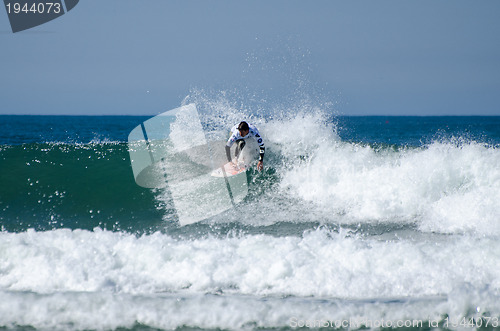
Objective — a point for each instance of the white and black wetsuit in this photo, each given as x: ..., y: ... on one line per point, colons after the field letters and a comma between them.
x: 240, y: 141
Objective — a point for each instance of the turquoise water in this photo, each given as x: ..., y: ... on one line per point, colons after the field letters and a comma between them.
x: 354, y: 219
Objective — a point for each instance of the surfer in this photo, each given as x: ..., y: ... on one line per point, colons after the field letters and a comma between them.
x: 239, y: 133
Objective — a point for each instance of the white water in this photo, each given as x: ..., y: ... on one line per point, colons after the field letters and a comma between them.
x: 445, y: 187
x: 442, y: 259
x: 65, y: 277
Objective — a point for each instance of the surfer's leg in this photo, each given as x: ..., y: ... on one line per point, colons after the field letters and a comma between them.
x: 239, y: 146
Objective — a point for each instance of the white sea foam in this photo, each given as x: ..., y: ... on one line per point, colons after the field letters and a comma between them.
x: 107, y: 311
x: 448, y: 187
x: 70, y: 278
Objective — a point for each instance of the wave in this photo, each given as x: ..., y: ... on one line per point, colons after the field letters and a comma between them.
x: 313, y: 265
x: 443, y: 187
x: 54, y: 185
x: 62, y: 277
x: 312, y: 176
x: 332, y: 229
x: 450, y: 185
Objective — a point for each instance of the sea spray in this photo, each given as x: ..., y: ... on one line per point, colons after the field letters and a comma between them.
x: 362, y: 219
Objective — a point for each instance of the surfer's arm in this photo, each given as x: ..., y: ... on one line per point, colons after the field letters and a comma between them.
x: 262, y: 151
x: 260, y: 165
x: 262, y: 148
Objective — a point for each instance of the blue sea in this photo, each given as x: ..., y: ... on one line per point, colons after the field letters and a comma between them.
x: 355, y: 223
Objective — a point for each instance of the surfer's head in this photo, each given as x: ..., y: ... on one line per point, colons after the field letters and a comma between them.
x: 243, y: 128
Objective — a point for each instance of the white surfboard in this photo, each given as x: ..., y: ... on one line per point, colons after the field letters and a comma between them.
x: 229, y: 169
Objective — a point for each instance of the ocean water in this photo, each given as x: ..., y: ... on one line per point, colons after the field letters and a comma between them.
x: 356, y: 222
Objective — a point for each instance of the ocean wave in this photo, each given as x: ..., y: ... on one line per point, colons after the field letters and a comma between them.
x: 54, y: 185
x: 312, y: 175
x: 321, y: 263
x: 446, y: 186
x: 62, y: 277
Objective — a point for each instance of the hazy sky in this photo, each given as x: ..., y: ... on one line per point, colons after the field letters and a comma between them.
x: 367, y: 57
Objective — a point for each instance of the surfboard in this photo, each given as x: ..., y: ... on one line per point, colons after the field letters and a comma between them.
x: 229, y: 169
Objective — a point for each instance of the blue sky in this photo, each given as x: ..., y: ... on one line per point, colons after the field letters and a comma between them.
x: 135, y: 57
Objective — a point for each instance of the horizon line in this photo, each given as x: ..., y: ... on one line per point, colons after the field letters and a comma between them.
x: 339, y: 115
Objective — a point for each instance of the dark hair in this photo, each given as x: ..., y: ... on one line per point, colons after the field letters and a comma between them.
x: 243, y: 126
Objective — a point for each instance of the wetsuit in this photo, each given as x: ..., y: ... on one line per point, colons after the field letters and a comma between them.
x: 240, y: 141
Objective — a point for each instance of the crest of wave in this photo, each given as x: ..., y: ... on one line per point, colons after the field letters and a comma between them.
x: 448, y: 187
